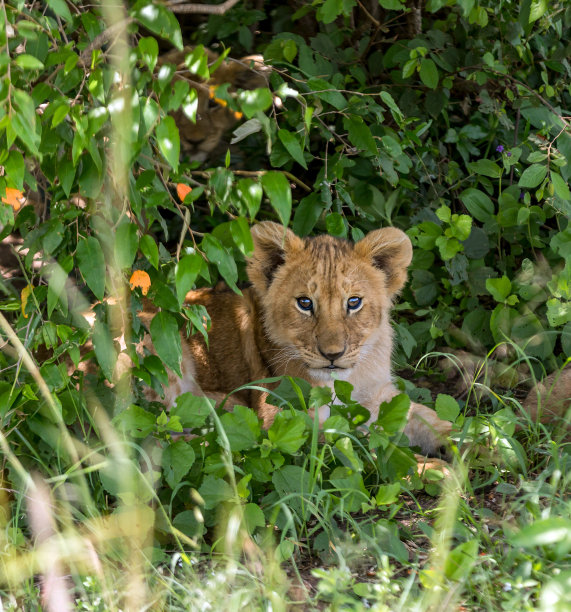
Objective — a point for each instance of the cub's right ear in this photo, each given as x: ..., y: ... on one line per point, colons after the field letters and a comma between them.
x: 272, y: 242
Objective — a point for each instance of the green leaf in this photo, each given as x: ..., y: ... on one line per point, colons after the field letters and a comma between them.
x: 186, y: 271
x: 336, y: 225
x: 215, y: 491
x: 240, y: 231
x: 478, y: 204
x: 485, y: 167
x: 253, y: 517
x: 533, y: 175
x: 91, y: 264
x: 360, y: 134
x: 59, y: 7
x: 254, y: 101
x: 168, y: 140
x: 500, y: 288
x: 250, y: 193
x: 306, y: 214
x: 104, y: 349
x: 447, y: 407
x: 15, y: 167
x: 126, y: 245
x: 448, y: 247
x: 287, y: 432
x: 135, y: 421
x: 278, y: 191
x: 176, y: 461
x: 166, y: 340
x: 149, y: 50
x: 428, y: 73
x: 150, y: 250
x: 395, y: 110
x: 393, y: 415
x: 544, y: 532
x: 387, y: 494
x: 191, y: 410
x: 460, y: 560
x: 159, y: 20
x: 242, y: 428
x: 292, y: 146
x: 560, y: 186
x: 327, y: 92
x: 224, y: 261
x: 28, y: 62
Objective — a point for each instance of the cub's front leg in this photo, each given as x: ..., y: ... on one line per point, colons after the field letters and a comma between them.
x: 426, y: 429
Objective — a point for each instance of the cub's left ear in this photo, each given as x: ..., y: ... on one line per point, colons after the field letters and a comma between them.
x: 390, y: 250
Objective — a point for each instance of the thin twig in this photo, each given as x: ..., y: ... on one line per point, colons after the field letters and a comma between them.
x: 201, y: 9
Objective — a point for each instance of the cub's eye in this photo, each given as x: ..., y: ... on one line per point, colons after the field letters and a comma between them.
x: 305, y: 303
x: 353, y: 303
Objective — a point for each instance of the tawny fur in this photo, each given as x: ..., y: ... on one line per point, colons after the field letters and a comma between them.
x: 263, y: 333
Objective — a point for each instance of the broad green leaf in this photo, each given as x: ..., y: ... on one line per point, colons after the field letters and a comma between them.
x: 158, y: 20
x: 486, y: 167
x: 91, y: 264
x: 59, y: 7
x: 150, y: 250
x: 186, y: 271
x: 537, y: 9
x: 277, y: 189
x: 104, y: 348
x: 149, y: 50
x: 135, y: 421
x: 460, y: 560
x: 336, y: 225
x: 306, y: 214
x: 215, y: 491
x: 478, y: 204
x: 169, y: 141
x: 388, y: 494
x: 219, y: 255
x: 14, y: 167
x: 242, y: 428
x: 254, y: 101
x: 250, y: 193
x: 533, y: 175
x: 393, y: 415
x: 395, y: 110
x: 254, y: 517
x: 448, y: 247
x: 327, y: 92
x: 192, y: 411
x: 166, y: 340
x: 544, y: 532
x: 28, y: 62
x: 126, y: 245
x: 240, y: 231
x: 287, y: 432
x: 360, y: 134
x: 292, y: 146
x: 428, y: 73
x: 177, y: 460
x: 392, y: 5
x: 560, y: 186
x: 446, y: 407
x: 500, y: 288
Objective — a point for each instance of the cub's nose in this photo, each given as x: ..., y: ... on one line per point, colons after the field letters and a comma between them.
x: 331, y: 355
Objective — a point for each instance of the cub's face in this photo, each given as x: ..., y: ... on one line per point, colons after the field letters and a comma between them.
x: 324, y: 300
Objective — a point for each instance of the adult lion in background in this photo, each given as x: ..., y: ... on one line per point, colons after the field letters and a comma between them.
x: 318, y: 308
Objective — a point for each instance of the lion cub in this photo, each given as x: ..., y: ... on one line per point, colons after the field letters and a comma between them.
x: 318, y: 308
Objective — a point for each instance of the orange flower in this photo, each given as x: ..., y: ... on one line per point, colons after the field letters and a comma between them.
x: 24, y: 295
x: 182, y: 191
x: 140, y: 279
x: 211, y: 91
x: 238, y: 115
x: 13, y: 197
x: 221, y: 101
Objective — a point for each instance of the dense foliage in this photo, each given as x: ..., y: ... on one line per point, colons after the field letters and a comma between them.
x: 449, y: 119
